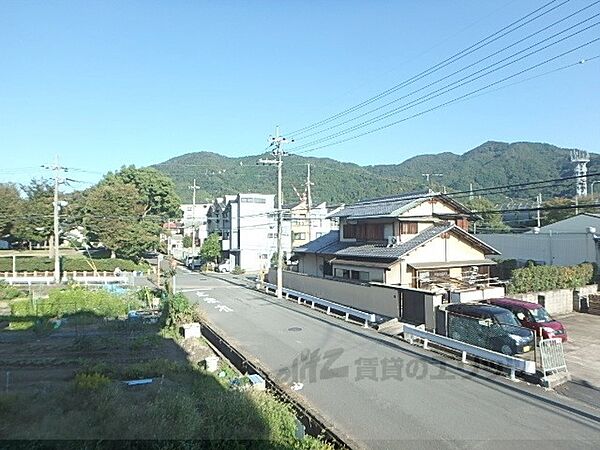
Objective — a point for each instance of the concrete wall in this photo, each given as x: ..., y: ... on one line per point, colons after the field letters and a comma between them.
x: 559, y: 301
x: 564, y: 249
x: 377, y: 299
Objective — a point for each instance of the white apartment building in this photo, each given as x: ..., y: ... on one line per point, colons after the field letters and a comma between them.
x: 194, y: 223
x: 309, y: 223
x: 247, y: 224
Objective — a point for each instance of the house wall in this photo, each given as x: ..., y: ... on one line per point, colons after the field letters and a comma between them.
x: 310, y: 264
x: 428, y: 208
x: 559, y: 301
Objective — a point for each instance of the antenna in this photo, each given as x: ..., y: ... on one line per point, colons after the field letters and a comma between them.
x: 580, y: 158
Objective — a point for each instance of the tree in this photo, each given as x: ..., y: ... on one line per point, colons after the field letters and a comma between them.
x: 489, y: 220
x: 35, y: 223
x: 211, y: 248
x: 554, y: 215
x: 10, y: 208
x: 156, y: 190
x: 114, y: 216
x: 187, y: 241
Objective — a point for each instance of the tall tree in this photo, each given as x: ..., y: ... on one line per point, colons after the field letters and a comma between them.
x: 35, y: 223
x: 114, y: 216
x: 156, y: 190
x: 10, y: 208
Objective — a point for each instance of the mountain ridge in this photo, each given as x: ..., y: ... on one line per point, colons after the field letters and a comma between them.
x: 492, y: 163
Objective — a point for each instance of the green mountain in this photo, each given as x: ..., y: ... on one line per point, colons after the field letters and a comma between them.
x: 490, y: 164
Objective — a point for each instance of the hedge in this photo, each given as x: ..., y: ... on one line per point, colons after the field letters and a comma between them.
x: 546, y: 278
x: 69, y: 263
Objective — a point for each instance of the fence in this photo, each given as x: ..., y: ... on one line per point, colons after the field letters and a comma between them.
x: 552, y: 356
x: 512, y: 363
x: 85, y: 277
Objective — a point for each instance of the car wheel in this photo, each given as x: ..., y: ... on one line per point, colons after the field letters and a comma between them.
x: 507, y: 350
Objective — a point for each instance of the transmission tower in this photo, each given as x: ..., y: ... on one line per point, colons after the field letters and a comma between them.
x: 580, y: 158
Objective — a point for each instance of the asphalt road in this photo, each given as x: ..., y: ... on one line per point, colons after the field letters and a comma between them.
x: 380, y: 392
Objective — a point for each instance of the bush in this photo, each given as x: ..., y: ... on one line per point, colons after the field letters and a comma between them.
x: 545, y: 278
x: 178, y: 311
x: 91, y: 381
x: 69, y: 263
x: 237, y: 270
x: 75, y: 300
x: 8, y: 292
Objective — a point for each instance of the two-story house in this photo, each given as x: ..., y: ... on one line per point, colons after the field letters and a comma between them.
x: 194, y: 223
x: 417, y: 240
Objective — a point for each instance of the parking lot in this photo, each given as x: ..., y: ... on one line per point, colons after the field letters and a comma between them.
x: 583, y: 347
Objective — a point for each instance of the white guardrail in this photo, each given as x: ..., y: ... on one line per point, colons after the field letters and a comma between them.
x: 331, y: 306
x: 80, y: 277
x: 512, y: 363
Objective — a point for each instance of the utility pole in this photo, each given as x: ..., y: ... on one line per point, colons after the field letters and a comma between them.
x: 539, y: 205
x: 56, y: 168
x: 428, y: 178
x: 194, y: 187
x: 308, y: 201
x: 277, y: 142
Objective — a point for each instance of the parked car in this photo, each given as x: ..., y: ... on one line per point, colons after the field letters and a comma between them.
x: 533, y: 316
x: 488, y: 326
x: 224, y: 267
x: 194, y: 262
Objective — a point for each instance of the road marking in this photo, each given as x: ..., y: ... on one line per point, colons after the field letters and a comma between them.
x: 210, y: 300
x: 201, y: 294
x: 223, y: 308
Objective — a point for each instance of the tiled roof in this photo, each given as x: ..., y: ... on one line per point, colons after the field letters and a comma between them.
x: 329, y: 244
x: 382, y: 207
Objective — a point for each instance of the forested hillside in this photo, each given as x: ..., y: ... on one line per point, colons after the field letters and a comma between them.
x: 490, y: 164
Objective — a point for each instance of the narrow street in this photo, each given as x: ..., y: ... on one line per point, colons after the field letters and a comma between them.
x: 380, y: 392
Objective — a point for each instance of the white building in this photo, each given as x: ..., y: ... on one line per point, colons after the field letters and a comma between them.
x: 567, y: 242
x: 247, y: 225
x: 194, y: 221
x: 311, y: 223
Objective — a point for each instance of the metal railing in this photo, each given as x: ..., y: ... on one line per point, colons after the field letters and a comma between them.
x: 552, y: 356
x: 47, y: 277
x: 510, y: 362
x: 329, y: 305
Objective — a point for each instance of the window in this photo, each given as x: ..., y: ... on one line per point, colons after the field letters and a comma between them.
x: 342, y: 273
x: 299, y: 236
x: 364, y: 231
x: 357, y: 275
x: 409, y: 227
x: 349, y: 231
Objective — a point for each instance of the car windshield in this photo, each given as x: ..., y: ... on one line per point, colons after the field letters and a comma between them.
x: 540, y: 315
x: 507, y: 318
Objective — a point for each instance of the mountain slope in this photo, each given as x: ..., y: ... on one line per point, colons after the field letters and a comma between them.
x: 490, y: 164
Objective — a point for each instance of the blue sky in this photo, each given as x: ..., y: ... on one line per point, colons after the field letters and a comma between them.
x: 108, y: 83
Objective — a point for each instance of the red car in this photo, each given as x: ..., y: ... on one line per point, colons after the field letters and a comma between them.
x: 533, y: 316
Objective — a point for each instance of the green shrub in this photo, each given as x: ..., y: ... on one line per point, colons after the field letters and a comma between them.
x: 546, y: 278
x: 178, y: 311
x: 8, y: 292
x: 69, y: 263
x: 237, y: 270
x: 91, y: 381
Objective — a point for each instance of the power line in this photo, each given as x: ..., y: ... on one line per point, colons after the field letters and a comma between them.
x: 469, y: 66
x: 457, y: 56
x: 449, y: 102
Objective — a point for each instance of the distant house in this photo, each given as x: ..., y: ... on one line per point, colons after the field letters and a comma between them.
x: 309, y: 223
x: 193, y: 222
x: 417, y: 240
